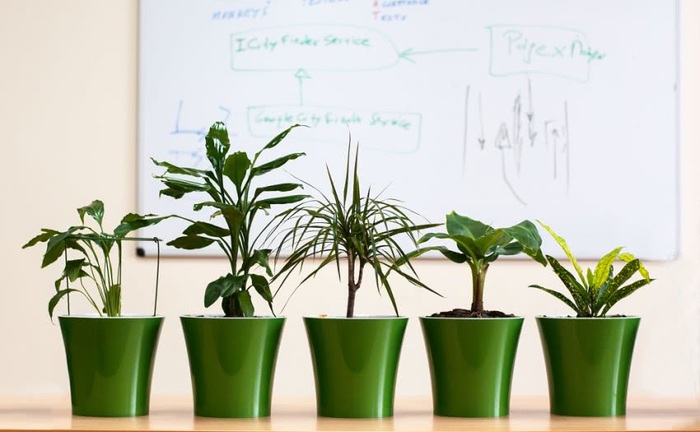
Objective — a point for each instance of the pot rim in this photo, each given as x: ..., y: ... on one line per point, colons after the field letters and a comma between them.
x: 568, y: 318
x: 125, y: 317
x: 357, y: 318
x: 222, y: 317
x: 517, y: 317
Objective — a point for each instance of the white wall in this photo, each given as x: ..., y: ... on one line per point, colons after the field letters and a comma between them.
x: 68, y: 119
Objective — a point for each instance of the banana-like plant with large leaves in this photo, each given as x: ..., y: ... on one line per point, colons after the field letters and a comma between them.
x: 598, y: 290
x: 479, y: 245
x: 91, y: 255
x: 236, y: 199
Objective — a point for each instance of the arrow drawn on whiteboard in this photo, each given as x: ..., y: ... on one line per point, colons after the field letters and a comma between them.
x: 534, y: 156
x: 301, y: 74
x: 465, y: 138
x: 531, y: 133
x: 409, y: 53
x: 201, y: 132
x: 481, y: 138
x: 557, y: 133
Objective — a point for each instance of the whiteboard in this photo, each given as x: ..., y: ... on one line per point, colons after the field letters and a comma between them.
x: 503, y: 110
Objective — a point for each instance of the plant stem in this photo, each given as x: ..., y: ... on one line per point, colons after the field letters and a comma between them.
x: 478, y: 278
x: 352, y: 287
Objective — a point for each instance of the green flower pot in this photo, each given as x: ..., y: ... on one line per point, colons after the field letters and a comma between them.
x: 588, y: 363
x: 355, y: 362
x: 471, y: 364
x: 232, y: 364
x: 110, y: 362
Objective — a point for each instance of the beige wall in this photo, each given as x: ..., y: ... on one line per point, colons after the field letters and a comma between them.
x: 68, y: 123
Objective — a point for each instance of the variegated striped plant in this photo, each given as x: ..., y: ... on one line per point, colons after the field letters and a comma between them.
x: 598, y: 290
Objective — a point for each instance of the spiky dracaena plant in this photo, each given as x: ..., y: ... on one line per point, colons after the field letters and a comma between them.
x: 354, y: 227
x: 232, y: 193
x: 598, y: 290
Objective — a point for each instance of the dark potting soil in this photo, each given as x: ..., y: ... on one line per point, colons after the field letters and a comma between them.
x: 576, y: 316
x: 465, y: 313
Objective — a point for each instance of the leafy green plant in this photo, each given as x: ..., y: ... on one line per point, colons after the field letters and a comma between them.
x: 479, y: 245
x: 354, y: 227
x: 598, y: 290
x: 95, y: 263
x: 231, y: 192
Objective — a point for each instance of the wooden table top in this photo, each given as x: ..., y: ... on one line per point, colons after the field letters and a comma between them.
x: 290, y: 415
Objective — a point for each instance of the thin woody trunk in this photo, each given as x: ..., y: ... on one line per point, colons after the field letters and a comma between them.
x: 478, y: 278
x: 353, y: 285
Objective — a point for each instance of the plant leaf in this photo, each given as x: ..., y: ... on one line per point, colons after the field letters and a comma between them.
x: 260, y: 257
x: 191, y: 242
x: 207, y: 229
x: 466, y: 226
x: 624, y: 292
x: 232, y: 213
x: 527, y: 235
x: 173, y: 169
x: 74, y: 269
x: 56, y: 298
x: 286, y: 199
x: 113, y: 300
x: 213, y: 291
x: 245, y: 303
x: 274, y: 164
x: 513, y: 248
x: 280, y: 187
x: 133, y: 221
x: 467, y: 246
x: 222, y: 287
x: 628, y: 257
x: 492, y: 240
x: 171, y: 193
x: 236, y: 168
x: 45, y: 235
x: 262, y: 286
x: 279, y: 138
x: 95, y: 210
x: 558, y: 295
x: 451, y: 255
x: 577, y: 291
x: 232, y: 284
x: 184, y: 186
x: 565, y: 247
x: 56, y: 245
x: 623, y: 276
x: 603, y: 268
x: 217, y: 144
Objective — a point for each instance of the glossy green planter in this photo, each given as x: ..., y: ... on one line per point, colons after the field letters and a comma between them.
x: 588, y: 363
x: 355, y: 362
x: 471, y: 364
x: 232, y: 364
x: 110, y: 361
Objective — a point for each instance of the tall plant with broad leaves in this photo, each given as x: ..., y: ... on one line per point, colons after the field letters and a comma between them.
x: 595, y: 291
x: 231, y: 188
x: 353, y: 227
x: 479, y: 245
x: 95, y: 257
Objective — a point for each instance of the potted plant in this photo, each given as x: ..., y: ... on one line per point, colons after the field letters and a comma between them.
x: 232, y: 358
x: 588, y: 356
x: 472, y: 351
x: 110, y: 356
x: 354, y: 358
